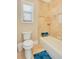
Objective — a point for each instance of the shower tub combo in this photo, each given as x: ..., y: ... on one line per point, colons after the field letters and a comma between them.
x: 53, y: 46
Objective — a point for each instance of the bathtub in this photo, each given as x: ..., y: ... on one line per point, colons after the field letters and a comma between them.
x: 53, y: 46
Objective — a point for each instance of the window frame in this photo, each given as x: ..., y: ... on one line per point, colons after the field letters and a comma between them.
x: 27, y: 3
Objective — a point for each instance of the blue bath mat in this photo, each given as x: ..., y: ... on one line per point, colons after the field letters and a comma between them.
x: 42, y: 55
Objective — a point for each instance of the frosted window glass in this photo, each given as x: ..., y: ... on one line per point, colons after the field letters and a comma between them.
x: 27, y: 8
x: 27, y: 16
x: 27, y: 12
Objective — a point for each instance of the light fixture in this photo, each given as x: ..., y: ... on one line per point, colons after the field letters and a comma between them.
x: 47, y: 1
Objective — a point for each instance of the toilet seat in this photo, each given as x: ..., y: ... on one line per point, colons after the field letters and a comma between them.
x: 28, y: 44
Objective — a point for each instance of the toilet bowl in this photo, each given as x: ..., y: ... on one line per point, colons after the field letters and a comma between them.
x: 27, y: 45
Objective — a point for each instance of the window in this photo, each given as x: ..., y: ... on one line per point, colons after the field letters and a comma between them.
x: 27, y: 12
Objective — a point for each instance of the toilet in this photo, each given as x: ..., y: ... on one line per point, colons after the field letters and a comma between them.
x: 27, y: 44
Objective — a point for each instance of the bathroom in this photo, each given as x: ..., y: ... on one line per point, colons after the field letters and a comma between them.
x: 45, y: 23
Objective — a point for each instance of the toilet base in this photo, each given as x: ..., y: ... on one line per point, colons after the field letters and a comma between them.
x: 28, y: 54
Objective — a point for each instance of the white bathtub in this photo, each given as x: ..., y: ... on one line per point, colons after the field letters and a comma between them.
x: 53, y: 46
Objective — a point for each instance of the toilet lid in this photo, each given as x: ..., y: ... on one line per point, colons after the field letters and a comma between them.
x: 28, y: 43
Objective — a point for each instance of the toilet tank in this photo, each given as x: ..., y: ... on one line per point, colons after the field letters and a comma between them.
x: 27, y: 35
